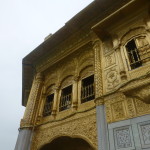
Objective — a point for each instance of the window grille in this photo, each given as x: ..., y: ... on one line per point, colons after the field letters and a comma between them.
x: 137, y: 54
x: 66, y: 97
x: 48, y: 105
x: 87, y: 89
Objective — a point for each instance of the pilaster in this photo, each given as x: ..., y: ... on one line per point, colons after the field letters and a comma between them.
x: 97, y: 69
x: 54, y: 109
x: 33, y: 100
x: 103, y: 143
x: 24, y: 139
x: 123, y: 75
x: 75, y: 93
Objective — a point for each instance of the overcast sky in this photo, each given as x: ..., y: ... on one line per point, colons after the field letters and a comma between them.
x: 23, y: 26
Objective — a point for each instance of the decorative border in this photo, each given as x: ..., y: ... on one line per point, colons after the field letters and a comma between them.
x: 127, y: 132
x: 142, y: 135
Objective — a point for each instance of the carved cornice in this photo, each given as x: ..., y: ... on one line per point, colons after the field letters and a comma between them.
x: 63, y: 53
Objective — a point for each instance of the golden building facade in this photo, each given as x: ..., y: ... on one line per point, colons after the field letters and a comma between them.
x: 87, y: 86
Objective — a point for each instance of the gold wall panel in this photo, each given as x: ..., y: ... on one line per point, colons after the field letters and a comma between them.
x: 121, y: 107
x: 79, y: 126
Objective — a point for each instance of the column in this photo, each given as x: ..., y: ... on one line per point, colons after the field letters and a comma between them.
x: 54, y: 109
x: 123, y: 75
x: 75, y: 93
x: 102, y: 129
x: 41, y: 107
x: 103, y: 143
x: 24, y: 139
x: 29, y: 119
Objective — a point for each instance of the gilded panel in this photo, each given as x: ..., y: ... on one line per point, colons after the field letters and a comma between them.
x: 118, y: 110
x: 82, y: 127
x: 122, y: 108
x: 111, y: 78
x: 141, y: 107
x: 110, y: 60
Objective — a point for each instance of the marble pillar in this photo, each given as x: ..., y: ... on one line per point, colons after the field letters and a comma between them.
x: 24, y: 139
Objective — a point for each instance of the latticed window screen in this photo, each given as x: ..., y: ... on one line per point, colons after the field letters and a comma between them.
x: 87, y: 89
x: 66, y: 97
x: 138, y: 51
x: 48, y: 105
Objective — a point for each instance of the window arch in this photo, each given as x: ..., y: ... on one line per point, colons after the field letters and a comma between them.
x: 136, y: 47
x: 87, y: 84
x: 138, y: 51
x: 49, y: 99
x: 66, y: 93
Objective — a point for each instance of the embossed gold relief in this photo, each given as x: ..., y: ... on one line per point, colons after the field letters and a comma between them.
x: 124, y: 108
x: 73, y: 43
x: 141, y: 107
x: 98, y: 69
x: 33, y: 102
x: 81, y: 126
x: 72, y: 65
x: 142, y: 93
x: 118, y: 110
x: 112, y: 78
x: 110, y: 60
x: 130, y: 108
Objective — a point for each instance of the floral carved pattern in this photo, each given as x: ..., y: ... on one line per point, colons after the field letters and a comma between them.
x: 123, y: 138
x: 33, y: 99
x: 112, y: 78
x: 131, y: 107
x: 121, y: 107
x: 118, y: 110
x: 145, y: 129
x: 110, y: 60
x: 98, y: 72
x: 82, y: 127
x: 141, y: 107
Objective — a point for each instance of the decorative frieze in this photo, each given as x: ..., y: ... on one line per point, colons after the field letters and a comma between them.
x: 80, y: 126
x: 120, y: 107
x: 144, y: 130
x: 111, y: 78
x: 110, y: 60
x: 98, y: 70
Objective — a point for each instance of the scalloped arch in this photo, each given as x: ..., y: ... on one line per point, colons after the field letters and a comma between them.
x: 86, y: 70
x: 77, y: 136
x: 67, y: 80
x: 132, y: 33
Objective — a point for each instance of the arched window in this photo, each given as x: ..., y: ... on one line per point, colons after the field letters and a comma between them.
x: 66, y: 93
x: 48, y: 105
x: 49, y: 99
x: 66, y: 98
x: 87, y: 89
x: 138, y: 51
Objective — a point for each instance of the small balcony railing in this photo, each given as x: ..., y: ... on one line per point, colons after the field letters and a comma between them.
x: 65, y: 102
x: 48, y: 109
x: 137, y: 57
x: 87, y: 93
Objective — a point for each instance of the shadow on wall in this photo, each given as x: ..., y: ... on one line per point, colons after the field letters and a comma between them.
x: 67, y: 143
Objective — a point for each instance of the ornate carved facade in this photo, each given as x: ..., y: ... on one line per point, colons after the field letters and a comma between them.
x: 105, y: 60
